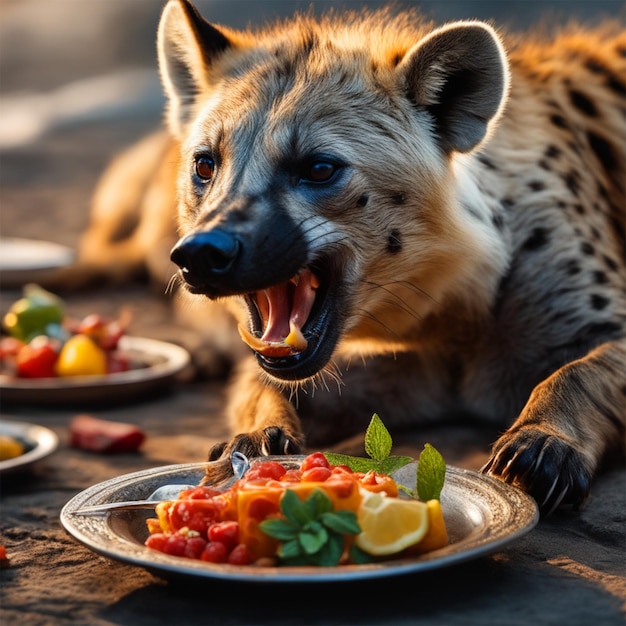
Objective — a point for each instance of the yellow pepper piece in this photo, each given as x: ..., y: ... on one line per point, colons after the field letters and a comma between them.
x: 80, y: 356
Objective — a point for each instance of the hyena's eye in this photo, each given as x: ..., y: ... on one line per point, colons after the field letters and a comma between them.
x: 204, y: 167
x: 318, y: 171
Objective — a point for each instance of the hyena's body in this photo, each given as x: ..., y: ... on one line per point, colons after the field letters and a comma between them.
x: 440, y: 256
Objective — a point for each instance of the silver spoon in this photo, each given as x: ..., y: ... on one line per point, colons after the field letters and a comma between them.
x: 165, y: 493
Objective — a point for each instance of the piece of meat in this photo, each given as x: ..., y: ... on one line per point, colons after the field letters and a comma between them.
x: 98, y: 435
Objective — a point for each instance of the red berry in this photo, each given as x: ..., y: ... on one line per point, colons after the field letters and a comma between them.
x: 195, y: 547
x: 174, y: 545
x: 215, y: 552
x: 225, y: 532
x: 317, y: 459
x: 265, y: 469
x: 240, y: 555
x: 156, y: 541
x: 316, y: 474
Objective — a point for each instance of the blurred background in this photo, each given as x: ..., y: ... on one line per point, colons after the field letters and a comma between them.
x: 78, y: 82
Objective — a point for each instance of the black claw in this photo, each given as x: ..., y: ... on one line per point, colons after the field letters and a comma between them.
x: 546, y: 467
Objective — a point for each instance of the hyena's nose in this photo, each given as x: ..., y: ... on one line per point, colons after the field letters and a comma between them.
x: 206, y: 257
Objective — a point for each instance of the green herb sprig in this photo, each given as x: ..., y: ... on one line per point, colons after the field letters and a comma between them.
x: 378, y: 444
x: 431, y: 467
x: 311, y: 532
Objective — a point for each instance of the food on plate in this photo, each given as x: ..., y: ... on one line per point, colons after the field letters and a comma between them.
x: 31, y: 315
x: 105, y: 436
x: 80, y: 356
x: 43, y: 342
x: 10, y: 448
x: 314, y: 514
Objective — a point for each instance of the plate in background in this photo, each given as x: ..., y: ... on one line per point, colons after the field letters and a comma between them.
x: 165, y: 360
x: 29, y: 260
x: 39, y: 442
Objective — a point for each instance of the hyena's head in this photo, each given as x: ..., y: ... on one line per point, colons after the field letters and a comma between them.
x: 316, y: 187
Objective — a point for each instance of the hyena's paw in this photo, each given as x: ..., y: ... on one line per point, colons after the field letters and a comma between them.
x: 543, y: 465
x: 269, y: 441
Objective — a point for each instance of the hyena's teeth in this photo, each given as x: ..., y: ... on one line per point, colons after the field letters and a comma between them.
x: 295, y: 338
x: 292, y: 344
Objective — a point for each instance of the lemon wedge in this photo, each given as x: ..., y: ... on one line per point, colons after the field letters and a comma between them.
x: 390, y: 525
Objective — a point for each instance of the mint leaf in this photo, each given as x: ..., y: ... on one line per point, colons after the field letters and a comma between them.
x: 378, y: 444
x: 293, y: 509
x: 290, y: 550
x: 317, y: 503
x: 431, y: 474
x: 394, y: 463
x: 355, y: 463
x: 312, y: 533
x: 342, y: 522
x: 279, y: 529
x: 313, y: 538
x: 358, y: 556
x: 331, y: 552
x: 377, y: 439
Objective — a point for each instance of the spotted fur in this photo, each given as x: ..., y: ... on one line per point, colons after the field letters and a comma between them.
x: 469, y: 241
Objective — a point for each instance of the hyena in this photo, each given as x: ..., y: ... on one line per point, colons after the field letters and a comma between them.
x: 423, y: 222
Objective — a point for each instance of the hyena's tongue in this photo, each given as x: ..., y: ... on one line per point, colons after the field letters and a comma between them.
x: 284, y: 309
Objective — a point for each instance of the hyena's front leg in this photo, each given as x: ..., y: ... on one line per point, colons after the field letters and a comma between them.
x: 553, y: 449
x: 266, y: 422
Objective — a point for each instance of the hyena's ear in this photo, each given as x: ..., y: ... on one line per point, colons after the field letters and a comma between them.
x: 459, y: 74
x: 187, y: 46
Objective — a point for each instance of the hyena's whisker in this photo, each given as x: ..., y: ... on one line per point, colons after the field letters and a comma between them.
x: 402, y: 283
x: 172, y: 283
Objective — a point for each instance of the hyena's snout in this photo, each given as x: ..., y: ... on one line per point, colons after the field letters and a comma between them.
x: 294, y: 307
x: 208, y: 261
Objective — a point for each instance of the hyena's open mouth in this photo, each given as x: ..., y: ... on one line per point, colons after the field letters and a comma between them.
x: 294, y: 325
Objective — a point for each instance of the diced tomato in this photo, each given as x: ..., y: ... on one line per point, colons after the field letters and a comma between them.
x: 214, y: 552
x: 291, y: 476
x: 240, y: 555
x: 199, y: 493
x: 225, y: 532
x: 342, y: 486
x: 265, y: 469
x: 106, y: 333
x: 174, y: 545
x: 316, y: 474
x: 193, y: 514
x: 156, y: 541
x: 195, y: 547
x: 379, y: 482
x: 317, y: 459
x: 38, y: 358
